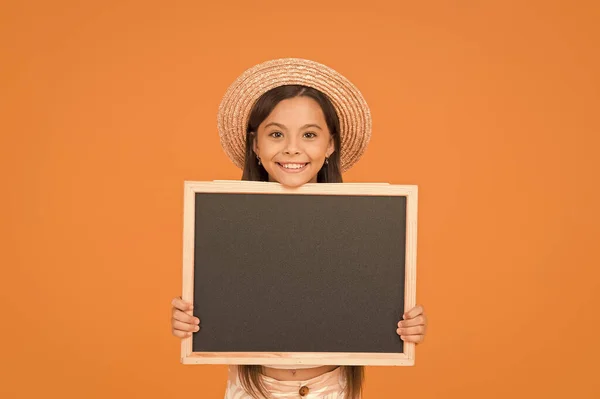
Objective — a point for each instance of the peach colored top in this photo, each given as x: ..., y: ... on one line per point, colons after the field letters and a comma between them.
x: 290, y: 367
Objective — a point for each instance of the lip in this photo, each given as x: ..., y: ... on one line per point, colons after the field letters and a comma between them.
x: 280, y: 165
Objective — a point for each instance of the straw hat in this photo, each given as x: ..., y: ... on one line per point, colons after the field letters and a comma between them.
x: 237, y: 103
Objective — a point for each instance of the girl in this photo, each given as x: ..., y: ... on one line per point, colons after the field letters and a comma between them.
x: 293, y: 122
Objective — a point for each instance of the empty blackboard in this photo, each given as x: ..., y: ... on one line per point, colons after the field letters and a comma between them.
x: 315, y: 275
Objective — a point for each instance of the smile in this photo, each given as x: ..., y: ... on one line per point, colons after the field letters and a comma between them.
x: 292, y: 167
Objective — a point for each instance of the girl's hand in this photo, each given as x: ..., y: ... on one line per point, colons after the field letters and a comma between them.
x: 413, y: 326
x: 183, y: 324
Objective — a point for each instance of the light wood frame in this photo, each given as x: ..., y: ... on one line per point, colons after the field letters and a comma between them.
x: 407, y: 358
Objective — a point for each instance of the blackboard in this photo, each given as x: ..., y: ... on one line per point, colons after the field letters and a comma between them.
x: 316, y: 275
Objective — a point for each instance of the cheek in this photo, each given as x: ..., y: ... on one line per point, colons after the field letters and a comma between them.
x: 263, y: 147
x: 319, y: 151
x: 268, y: 152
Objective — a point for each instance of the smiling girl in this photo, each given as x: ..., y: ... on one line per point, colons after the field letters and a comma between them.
x: 293, y: 122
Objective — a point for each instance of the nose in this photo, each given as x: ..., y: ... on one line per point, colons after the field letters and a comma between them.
x: 291, y: 146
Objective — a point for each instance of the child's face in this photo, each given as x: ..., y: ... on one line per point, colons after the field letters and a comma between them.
x: 293, y: 141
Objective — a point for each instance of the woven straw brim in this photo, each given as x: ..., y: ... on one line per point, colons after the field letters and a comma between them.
x: 237, y: 103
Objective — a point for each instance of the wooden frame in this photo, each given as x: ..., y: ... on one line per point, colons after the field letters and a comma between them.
x: 407, y: 358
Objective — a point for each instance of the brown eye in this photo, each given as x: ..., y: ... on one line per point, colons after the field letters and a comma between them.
x: 276, y: 134
x: 310, y: 135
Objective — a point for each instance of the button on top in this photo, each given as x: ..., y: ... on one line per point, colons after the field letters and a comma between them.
x: 303, y: 391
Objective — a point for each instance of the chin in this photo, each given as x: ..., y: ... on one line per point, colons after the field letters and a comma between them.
x: 292, y: 181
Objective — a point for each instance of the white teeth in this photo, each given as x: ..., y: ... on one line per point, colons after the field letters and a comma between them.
x: 293, y: 165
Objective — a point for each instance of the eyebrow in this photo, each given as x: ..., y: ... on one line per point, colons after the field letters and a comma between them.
x: 283, y: 127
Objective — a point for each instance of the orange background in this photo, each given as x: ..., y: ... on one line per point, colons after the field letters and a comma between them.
x: 490, y: 107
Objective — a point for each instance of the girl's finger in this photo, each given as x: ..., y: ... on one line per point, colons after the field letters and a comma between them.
x: 414, y: 312
x: 420, y: 320
x: 417, y: 339
x: 184, y: 317
x: 418, y: 330
x: 181, y: 334
x: 182, y: 305
x: 178, y: 325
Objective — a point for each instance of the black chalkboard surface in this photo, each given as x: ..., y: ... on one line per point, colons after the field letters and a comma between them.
x: 315, y: 275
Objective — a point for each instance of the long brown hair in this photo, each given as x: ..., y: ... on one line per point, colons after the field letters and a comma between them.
x: 330, y: 172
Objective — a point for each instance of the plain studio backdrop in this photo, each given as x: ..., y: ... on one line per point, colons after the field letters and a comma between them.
x: 491, y: 108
